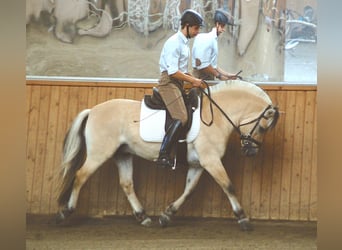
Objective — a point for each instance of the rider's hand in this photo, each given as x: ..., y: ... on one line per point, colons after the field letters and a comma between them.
x: 224, y: 78
x: 232, y: 77
x: 196, y: 82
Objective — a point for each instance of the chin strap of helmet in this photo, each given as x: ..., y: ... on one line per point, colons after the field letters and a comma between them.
x: 187, y: 32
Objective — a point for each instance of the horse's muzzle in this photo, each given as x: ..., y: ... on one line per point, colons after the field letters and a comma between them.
x: 249, y: 149
x: 249, y: 146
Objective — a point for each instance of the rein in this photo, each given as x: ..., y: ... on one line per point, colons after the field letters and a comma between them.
x: 247, y: 137
x: 211, y: 109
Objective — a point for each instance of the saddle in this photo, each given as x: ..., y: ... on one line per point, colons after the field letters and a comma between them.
x: 155, y: 101
x: 191, y: 101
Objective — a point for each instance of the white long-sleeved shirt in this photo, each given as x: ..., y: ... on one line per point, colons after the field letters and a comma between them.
x: 175, y: 54
x: 205, y: 50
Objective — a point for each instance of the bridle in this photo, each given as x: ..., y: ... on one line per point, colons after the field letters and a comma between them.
x: 247, y: 140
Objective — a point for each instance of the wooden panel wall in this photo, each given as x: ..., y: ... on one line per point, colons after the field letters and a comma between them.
x: 280, y: 183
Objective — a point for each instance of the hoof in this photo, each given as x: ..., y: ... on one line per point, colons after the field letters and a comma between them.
x: 59, y: 218
x: 164, y: 220
x: 63, y: 214
x: 245, y: 225
x: 142, y: 218
x: 146, y: 222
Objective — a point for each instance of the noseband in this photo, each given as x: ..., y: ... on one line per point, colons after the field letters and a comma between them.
x: 246, y: 139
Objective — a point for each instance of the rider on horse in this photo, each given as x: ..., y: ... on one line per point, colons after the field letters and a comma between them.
x: 173, y: 66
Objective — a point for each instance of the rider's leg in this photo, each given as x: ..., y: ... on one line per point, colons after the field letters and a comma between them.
x: 169, y: 141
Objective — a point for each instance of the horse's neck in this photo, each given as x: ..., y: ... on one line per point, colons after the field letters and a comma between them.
x: 239, y: 104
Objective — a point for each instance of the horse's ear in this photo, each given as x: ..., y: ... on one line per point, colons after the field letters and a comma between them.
x: 270, y: 112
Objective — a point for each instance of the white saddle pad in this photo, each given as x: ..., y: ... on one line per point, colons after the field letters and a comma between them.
x: 152, y: 124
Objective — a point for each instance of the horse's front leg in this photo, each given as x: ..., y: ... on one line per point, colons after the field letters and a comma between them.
x: 193, y: 176
x: 125, y: 167
x: 218, y: 172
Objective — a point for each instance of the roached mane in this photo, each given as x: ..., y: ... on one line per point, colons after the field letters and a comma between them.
x: 237, y: 84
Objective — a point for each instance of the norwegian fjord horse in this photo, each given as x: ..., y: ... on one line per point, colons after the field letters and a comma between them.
x: 110, y: 130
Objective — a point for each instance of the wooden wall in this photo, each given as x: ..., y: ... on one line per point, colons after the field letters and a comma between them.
x: 280, y: 183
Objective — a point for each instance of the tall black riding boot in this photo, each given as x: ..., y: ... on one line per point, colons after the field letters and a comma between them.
x: 170, y: 138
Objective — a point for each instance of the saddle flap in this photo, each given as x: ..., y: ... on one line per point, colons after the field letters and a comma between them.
x: 154, y: 101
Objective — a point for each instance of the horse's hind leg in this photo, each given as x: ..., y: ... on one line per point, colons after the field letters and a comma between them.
x: 193, y: 176
x: 81, y: 176
x: 125, y: 168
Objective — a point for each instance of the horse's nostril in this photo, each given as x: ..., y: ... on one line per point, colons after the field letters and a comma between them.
x: 249, y: 151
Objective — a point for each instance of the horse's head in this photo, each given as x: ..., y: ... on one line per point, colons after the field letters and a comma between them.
x: 250, y: 121
x: 252, y: 132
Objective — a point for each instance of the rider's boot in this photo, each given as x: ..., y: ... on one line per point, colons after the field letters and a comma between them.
x: 170, y: 138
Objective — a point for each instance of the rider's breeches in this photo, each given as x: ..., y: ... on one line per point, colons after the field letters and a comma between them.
x: 169, y: 89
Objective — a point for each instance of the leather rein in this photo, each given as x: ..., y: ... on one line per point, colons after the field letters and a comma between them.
x: 246, y: 137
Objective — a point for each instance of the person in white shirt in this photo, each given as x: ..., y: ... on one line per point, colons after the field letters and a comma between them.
x: 173, y: 66
x: 205, y: 50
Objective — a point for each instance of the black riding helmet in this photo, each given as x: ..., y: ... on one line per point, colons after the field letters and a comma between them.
x: 222, y: 16
x: 192, y: 18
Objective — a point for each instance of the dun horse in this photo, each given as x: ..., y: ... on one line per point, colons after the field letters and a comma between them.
x: 110, y: 130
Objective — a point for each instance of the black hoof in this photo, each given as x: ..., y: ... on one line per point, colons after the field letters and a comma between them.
x: 62, y: 215
x: 245, y: 225
x: 146, y: 222
x: 164, y: 220
x: 59, y: 218
x: 142, y: 218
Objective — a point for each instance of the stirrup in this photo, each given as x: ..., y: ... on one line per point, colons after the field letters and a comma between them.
x: 165, y: 161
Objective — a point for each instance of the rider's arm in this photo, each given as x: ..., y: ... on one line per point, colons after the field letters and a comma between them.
x: 187, y: 78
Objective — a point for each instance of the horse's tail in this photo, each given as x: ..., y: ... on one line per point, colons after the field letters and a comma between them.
x: 74, y: 149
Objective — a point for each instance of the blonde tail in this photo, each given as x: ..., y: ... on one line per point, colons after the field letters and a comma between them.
x: 74, y: 150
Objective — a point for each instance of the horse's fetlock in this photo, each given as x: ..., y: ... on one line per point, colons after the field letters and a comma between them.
x: 171, y: 210
x: 140, y: 216
x: 243, y: 220
x: 240, y: 214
